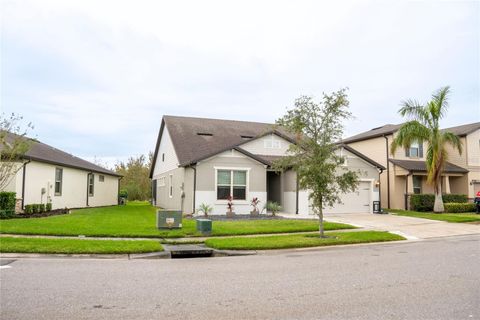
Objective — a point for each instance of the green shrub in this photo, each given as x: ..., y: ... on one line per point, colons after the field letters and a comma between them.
x: 28, y: 209
x: 36, y: 208
x: 455, y: 198
x: 48, y: 207
x: 424, y: 202
x: 8, y: 201
x: 6, y: 214
x: 42, y: 207
x: 459, y: 207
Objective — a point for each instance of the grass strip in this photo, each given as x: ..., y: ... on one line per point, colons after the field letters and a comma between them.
x: 300, y: 240
x: 76, y: 246
x: 448, y: 217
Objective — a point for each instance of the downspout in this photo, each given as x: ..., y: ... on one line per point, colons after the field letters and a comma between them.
x: 88, y: 180
x: 296, y: 195
x: 23, y: 182
x: 406, y: 191
x: 194, y: 186
x: 388, y: 173
x: 380, y: 190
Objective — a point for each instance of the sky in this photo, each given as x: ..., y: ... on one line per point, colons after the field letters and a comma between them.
x: 96, y: 77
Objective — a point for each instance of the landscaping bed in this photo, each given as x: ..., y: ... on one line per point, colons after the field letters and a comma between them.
x: 76, y: 246
x: 300, y: 240
x: 448, y: 217
x: 138, y: 220
x: 55, y: 212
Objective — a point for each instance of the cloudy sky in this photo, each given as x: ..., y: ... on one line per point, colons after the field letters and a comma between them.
x: 95, y: 77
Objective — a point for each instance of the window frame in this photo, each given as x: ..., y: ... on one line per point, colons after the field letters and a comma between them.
x: 271, y: 143
x: 101, y: 178
x: 417, y: 178
x: 58, y: 193
x: 170, y: 185
x: 163, y: 157
x: 415, y: 145
x: 232, y: 185
x: 91, y: 184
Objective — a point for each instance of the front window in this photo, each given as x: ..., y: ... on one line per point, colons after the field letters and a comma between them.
x: 417, y: 184
x: 170, y: 186
x: 231, y: 183
x: 91, y: 184
x: 58, y: 181
x: 271, y: 143
x: 101, y: 178
x: 414, y: 151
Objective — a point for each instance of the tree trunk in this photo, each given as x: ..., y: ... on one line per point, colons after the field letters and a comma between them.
x: 438, y: 205
x: 320, y: 222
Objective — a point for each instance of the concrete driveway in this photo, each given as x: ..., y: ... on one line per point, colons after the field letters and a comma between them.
x: 409, y: 227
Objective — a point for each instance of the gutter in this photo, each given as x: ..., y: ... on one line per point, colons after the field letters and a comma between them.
x: 388, y: 173
x: 118, y: 191
x: 194, y: 186
x: 88, y: 176
x: 406, y: 190
x: 23, y: 182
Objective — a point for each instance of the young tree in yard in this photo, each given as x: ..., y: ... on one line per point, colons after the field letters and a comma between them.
x: 424, y: 126
x: 318, y: 127
x: 13, y: 146
x: 135, y: 179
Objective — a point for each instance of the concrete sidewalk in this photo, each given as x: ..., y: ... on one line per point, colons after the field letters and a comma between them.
x: 409, y: 227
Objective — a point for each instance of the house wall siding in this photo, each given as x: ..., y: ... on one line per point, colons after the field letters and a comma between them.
x: 257, y: 146
x: 74, y: 187
x: 171, y: 159
x: 163, y: 193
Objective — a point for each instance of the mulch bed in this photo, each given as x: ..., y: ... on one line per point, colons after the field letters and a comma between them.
x: 55, y: 212
x: 238, y: 217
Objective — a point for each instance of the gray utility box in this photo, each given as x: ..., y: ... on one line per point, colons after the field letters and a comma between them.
x: 204, y: 226
x: 169, y: 219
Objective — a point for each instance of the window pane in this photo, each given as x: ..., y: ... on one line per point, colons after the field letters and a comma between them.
x: 413, y: 152
x: 223, y: 192
x: 223, y: 177
x: 239, y: 178
x: 58, y: 174
x: 239, y: 193
x: 57, y: 187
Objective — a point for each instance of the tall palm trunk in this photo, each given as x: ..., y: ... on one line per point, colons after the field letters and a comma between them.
x: 438, y: 204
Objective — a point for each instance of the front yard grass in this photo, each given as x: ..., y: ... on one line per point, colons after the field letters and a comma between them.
x: 448, y: 217
x: 77, y: 246
x: 300, y: 240
x: 138, y: 220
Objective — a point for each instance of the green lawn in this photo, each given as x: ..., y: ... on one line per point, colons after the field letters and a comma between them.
x: 138, y: 220
x: 76, y: 246
x: 449, y: 217
x: 300, y: 240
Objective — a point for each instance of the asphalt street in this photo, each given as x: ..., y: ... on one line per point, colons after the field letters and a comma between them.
x: 429, y: 279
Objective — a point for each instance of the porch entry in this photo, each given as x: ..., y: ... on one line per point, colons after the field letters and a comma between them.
x: 274, y: 187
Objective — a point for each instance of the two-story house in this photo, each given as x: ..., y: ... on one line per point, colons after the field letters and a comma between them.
x: 406, y: 170
x: 199, y: 160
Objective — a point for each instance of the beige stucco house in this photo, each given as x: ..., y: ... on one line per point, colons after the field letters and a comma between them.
x: 405, y: 172
x: 200, y: 160
x: 47, y: 174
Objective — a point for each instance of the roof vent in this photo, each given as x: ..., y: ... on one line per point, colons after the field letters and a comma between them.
x: 246, y: 137
x: 204, y: 134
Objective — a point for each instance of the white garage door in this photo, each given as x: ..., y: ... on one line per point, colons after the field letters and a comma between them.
x: 355, y: 202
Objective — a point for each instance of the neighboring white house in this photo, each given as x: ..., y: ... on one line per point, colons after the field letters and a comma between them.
x: 47, y: 175
x: 200, y: 160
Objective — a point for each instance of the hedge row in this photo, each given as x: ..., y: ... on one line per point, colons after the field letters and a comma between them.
x: 459, y: 207
x: 7, y: 204
x: 424, y: 202
x: 38, y: 208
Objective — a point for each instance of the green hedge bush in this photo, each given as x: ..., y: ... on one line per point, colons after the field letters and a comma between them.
x: 28, y: 209
x: 42, y: 207
x: 459, y: 207
x: 48, y: 207
x: 8, y: 201
x: 424, y: 202
x: 6, y: 214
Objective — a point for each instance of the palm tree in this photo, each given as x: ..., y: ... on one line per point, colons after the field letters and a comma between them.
x: 424, y: 126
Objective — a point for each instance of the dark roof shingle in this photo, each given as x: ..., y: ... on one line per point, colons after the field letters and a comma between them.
x: 195, y: 139
x: 421, y: 166
x: 42, y: 152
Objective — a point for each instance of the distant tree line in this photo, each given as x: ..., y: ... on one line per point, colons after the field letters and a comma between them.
x: 135, y: 181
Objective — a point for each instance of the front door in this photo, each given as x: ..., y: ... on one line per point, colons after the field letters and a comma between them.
x: 274, y: 187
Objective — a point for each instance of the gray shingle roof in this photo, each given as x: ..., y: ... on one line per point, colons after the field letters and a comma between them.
x: 465, y: 129
x: 421, y: 166
x: 387, y: 129
x: 373, y: 133
x: 195, y: 139
x: 42, y: 152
